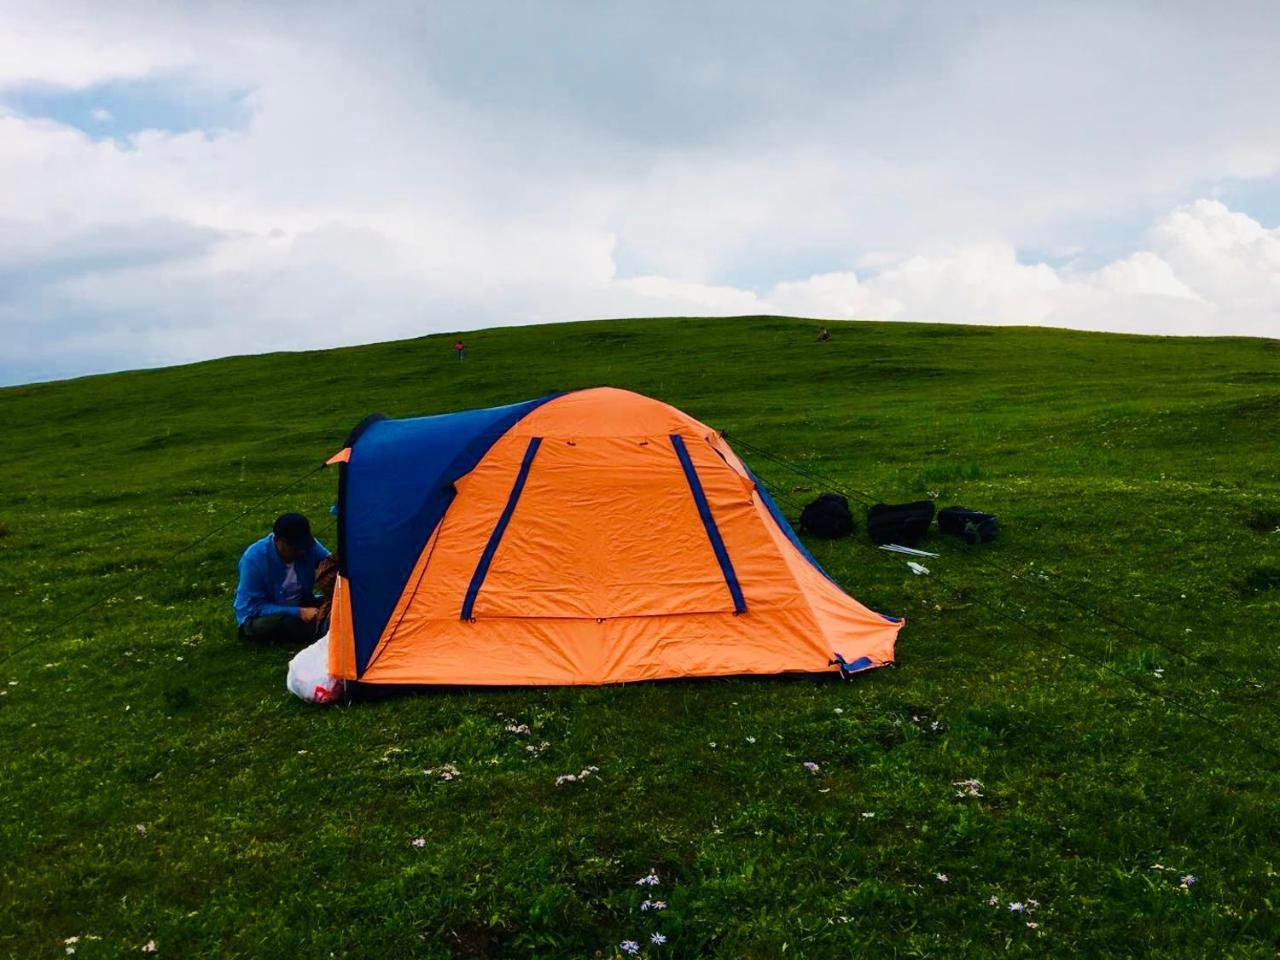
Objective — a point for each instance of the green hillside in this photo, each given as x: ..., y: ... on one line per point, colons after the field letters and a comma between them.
x: 158, y: 784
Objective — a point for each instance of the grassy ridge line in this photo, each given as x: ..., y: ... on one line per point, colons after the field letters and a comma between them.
x: 1142, y: 471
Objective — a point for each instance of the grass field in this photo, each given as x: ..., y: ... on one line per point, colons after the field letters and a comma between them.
x: 159, y: 786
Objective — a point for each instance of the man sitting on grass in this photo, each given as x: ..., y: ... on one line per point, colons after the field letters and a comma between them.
x: 275, y: 602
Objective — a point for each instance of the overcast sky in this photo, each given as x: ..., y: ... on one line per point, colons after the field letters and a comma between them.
x: 181, y: 180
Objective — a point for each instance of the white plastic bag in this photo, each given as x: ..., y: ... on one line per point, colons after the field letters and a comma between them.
x: 309, y: 674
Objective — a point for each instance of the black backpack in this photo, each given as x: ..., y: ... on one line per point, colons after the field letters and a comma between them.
x: 901, y: 523
x: 974, y: 525
x: 828, y: 517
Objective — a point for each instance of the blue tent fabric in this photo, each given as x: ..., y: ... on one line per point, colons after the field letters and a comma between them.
x: 781, y: 520
x: 399, y: 483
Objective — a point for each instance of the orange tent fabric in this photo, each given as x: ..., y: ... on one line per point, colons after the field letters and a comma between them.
x: 601, y: 537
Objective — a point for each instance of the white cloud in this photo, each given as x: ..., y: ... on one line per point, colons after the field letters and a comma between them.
x: 982, y: 283
x: 1207, y: 270
x: 833, y: 296
x: 49, y: 49
x: 451, y: 166
x: 694, y: 298
x: 1142, y: 274
x: 1227, y: 257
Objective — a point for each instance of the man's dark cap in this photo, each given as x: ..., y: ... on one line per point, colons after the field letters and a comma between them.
x: 295, y: 530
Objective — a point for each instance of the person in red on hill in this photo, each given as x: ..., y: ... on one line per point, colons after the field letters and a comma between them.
x: 459, y: 349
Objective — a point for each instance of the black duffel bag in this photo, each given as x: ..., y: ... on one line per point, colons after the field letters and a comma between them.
x: 828, y: 517
x: 974, y: 525
x: 901, y: 523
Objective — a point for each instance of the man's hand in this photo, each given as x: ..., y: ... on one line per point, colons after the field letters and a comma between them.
x: 308, y: 614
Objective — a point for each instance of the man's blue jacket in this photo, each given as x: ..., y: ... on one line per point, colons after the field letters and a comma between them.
x: 262, y: 575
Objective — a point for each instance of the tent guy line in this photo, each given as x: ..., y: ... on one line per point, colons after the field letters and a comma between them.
x: 1014, y: 574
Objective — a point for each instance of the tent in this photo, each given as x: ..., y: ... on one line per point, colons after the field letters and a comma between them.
x: 596, y: 536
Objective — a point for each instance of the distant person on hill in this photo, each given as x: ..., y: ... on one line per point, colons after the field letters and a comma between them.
x: 275, y: 599
x: 459, y: 349
x: 823, y: 335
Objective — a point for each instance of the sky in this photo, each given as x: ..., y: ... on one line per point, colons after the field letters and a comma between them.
x: 192, y: 180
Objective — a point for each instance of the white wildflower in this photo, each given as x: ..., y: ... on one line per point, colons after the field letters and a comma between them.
x: 629, y: 947
x: 657, y: 939
x: 942, y: 878
x: 811, y: 766
x: 582, y: 774
x: 420, y: 841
